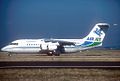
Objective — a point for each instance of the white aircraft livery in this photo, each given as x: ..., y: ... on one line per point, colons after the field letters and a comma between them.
x: 58, y: 46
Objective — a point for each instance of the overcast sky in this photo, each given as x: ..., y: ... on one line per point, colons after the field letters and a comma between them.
x: 57, y: 19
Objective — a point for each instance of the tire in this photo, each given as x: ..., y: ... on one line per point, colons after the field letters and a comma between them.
x: 49, y: 54
x: 57, y: 53
x: 10, y: 54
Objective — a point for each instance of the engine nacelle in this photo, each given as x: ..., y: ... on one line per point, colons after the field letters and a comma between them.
x: 52, y: 47
x: 49, y: 46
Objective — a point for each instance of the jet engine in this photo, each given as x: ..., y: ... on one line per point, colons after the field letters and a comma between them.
x: 49, y: 46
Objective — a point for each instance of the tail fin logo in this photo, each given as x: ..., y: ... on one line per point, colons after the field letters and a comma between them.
x: 98, y: 32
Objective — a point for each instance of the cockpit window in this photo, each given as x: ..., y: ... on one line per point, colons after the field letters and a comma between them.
x: 13, y: 43
x: 46, y: 41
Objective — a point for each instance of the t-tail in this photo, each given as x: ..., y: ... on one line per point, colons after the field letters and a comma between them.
x: 96, y: 36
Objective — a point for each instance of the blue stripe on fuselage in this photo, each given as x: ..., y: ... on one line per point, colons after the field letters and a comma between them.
x: 86, y: 43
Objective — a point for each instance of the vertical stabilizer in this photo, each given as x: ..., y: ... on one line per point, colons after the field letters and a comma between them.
x: 97, y: 34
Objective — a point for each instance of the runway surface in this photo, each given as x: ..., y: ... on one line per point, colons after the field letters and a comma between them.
x: 88, y: 59
x: 58, y: 64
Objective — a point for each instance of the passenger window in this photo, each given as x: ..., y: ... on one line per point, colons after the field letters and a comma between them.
x: 14, y: 44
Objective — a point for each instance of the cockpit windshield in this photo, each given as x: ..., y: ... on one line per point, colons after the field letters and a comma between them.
x: 13, y: 43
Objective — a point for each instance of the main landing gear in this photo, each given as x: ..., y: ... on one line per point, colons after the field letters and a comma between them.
x: 55, y: 52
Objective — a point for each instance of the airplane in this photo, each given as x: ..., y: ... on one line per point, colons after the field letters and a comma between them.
x: 59, y: 46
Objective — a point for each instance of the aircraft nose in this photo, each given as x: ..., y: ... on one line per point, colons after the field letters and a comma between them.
x: 3, y: 49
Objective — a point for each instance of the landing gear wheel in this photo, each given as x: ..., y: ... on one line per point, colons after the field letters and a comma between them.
x: 57, y: 53
x: 9, y: 54
x: 49, y: 53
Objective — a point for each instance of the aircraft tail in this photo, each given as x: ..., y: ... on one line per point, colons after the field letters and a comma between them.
x: 96, y: 36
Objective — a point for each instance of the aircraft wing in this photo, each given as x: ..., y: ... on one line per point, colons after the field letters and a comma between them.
x: 61, y: 42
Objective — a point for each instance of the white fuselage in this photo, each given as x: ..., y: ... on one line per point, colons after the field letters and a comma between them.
x: 33, y: 45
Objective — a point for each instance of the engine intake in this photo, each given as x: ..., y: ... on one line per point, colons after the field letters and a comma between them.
x: 49, y: 46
